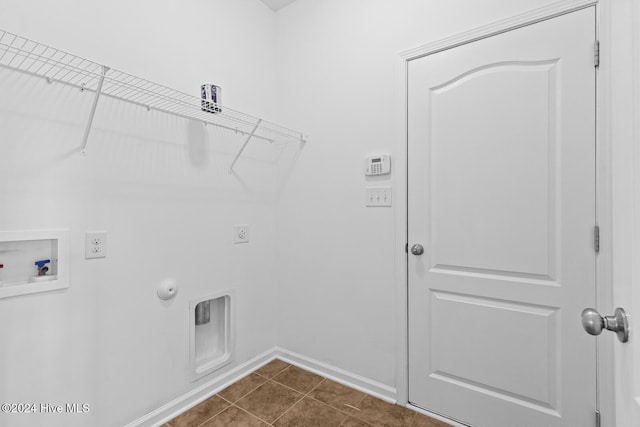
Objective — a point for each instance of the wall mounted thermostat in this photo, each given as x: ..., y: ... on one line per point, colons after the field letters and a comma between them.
x: 378, y: 165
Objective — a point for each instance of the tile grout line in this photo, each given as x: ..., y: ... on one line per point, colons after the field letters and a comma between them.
x: 342, y: 411
x: 290, y: 407
x: 308, y: 394
x: 267, y: 380
x: 249, y: 392
x: 303, y: 396
x: 246, y: 394
x: 252, y: 414
x: 298, y: 391
x: 271, y: 380
x: 319, y: 401
x: 274, y: 375
x: 353, y: 415
x: 217, y: 413
x: 329, y: 406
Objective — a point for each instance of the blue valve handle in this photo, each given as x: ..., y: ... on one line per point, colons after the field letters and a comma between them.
x: 42, y: 262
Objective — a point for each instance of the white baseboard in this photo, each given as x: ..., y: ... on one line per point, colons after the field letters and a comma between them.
x: 349, y: 379
x: 192, y: 398
x: 202, y: 392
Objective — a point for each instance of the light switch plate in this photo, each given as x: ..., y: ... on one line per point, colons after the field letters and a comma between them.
x: 378, y: 196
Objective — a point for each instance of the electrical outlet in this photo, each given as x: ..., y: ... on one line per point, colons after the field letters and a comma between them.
x: 241, y: 233
x: 95, y: 245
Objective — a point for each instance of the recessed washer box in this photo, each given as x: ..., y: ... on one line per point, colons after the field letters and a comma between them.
x: 212, y: 332
x: 23, y: 255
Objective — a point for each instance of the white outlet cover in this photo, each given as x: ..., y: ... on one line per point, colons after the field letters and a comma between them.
x: 95, y: 245
x: 241, y: 233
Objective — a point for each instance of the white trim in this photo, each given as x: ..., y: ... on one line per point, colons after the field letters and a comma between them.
x: 604, y: 260
x: 190, y: 399
x: 518, y: 21
x: 402, y: 241
x: 349, y: 379
x: 635, y: 143
x: 604, y: 281
x: 620, y: 131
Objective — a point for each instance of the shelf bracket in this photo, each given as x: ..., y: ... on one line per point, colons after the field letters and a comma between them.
x: 255, y: 128
x: 92, y: 113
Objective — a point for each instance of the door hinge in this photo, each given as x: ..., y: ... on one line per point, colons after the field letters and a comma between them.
x: 596, y: 239
x: 598, y: 419
x: 596, y: 54
x: 406, y: 248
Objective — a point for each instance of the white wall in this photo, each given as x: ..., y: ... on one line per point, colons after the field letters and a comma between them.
x: 340, y: 79
x: 165, y: 198
x: 159, y: 186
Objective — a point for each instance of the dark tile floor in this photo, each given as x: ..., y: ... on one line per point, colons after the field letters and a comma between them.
x: 279, y: 394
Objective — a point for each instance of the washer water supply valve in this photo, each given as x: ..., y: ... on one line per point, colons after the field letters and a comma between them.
x: 42, y: 267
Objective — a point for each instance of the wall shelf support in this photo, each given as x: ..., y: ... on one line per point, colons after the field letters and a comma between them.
x: 92, y: 113
x: 244, y: 145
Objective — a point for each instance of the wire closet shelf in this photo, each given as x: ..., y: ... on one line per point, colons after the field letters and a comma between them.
x: 21, y: 54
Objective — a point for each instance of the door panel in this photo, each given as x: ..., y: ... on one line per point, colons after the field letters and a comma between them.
x: 502, y: 195
x: 513, y: 218
x: 498, y: 373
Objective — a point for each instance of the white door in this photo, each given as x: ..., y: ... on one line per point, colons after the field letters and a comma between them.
x: 502, y: 198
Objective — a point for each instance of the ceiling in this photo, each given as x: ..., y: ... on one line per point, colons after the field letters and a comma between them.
x: 277, y: 4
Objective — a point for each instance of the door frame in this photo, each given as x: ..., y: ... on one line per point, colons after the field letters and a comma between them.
x: 620, y: 28
x: 605, y: 208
